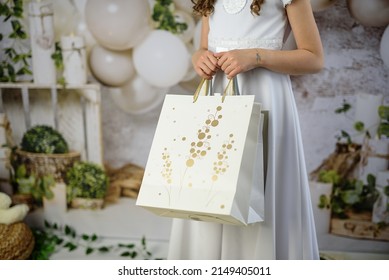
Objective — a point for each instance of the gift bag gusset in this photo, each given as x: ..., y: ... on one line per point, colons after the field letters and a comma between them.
x: 202, y: 159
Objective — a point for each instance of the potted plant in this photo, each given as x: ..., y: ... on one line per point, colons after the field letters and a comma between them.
x: 42, y: 157
x: 321, y: 199
x: 352, y: 197
x: 37, y: 188
x: 43, y: 150
x: 87, y: 185
x: 327, y: 179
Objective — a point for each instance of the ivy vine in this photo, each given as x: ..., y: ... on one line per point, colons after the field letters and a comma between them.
x: 54, y: 238
x: 58, y: 62
x: 15, y: 62
x: 359, y: 127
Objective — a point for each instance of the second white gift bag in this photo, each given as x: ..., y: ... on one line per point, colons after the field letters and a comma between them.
x: 206, y: 161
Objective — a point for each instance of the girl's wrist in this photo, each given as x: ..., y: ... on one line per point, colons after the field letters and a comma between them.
x: 258, y: 57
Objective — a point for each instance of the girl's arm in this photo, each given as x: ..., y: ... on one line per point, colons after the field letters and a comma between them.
x: 204, y: 61
x: 307, y: 58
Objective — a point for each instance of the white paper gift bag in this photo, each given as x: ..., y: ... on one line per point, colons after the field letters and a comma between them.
x: 206, y: 160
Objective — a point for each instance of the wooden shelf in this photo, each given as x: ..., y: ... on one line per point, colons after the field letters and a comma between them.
x: 75, y: 111
x: 48, y: 86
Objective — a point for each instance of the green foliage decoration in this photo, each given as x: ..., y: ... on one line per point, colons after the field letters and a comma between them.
x: 164, y: 17
x: 330, y: 176
x: 344, y: 108
x: 53, y: 238
x: 360, y: 128
x: 348, y: 194
x: 15, y: 62
x: 58, y: 61
x: 38, y: 187
x: 383, y: 127
x: 44, y: 139
x: 344, y: 135
x: 86, y: 180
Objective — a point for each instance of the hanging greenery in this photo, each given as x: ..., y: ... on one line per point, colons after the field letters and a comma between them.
x: 58, y: 61
x: 15, y: 61
x: 360, y: 128
x: 163, y: 16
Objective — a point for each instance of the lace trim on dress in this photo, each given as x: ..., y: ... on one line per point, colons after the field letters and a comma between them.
x: 286, y: 2
x: 234, y: 6
x: 230, y: 44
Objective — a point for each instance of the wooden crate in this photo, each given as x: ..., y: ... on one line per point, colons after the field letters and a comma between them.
x: 73, y: 111
x: 359, y: 226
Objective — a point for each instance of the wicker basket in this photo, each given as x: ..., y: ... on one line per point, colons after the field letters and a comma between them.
x: 16, y: 241
x: 47, y: 164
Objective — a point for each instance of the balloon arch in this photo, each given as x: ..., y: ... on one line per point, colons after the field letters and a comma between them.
x: 138, y: 62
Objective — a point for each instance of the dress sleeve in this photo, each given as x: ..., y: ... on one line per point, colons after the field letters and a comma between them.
x: 286, y: 2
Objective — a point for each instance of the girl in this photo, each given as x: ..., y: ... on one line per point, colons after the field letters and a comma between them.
x: 245, y: 40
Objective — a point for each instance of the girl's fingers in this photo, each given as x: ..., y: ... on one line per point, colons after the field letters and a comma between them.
x: 208, y: 64
x: 204, y: 73
x: 228, y: 64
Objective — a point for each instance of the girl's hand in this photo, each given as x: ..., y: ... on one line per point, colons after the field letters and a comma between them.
x: 205, y: 63
x: 237, y: 61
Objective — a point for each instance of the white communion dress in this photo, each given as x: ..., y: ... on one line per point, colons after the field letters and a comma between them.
x: 288, y: 231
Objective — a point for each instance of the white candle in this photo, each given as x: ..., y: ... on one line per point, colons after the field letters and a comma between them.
x: 367, y: 112
x: 74, y: 60
x: 54, y: 209
x: 322, y: 215
x: 42, y: 41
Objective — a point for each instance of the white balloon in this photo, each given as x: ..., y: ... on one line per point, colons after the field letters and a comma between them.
x: 112, y: 68
x: 184, y: 5
x: 191, y: 80
x: 83, y: 30
x: 370, y: 13
x: 191, y: 73
x: 183, y: 17
x: 320, y: 5
x: 161, y: 59
x: 118, y: 24
x: 80, y: 5
x: 137, y: 96
x: 65, y: 17
x: 384, y: 47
